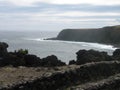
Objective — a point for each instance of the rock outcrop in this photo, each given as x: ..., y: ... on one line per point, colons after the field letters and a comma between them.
x: 111, y: 83
x: 3, y: 49
x: 107, y: 35
x: 23, y: 58
x: 116, y: 53
x: 87, y: 56
x: 50, y: 61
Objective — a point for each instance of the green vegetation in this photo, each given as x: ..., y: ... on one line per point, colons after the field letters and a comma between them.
x: 21, y: 51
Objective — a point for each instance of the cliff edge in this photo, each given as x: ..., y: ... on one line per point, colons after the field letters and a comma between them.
x: 107, y: 35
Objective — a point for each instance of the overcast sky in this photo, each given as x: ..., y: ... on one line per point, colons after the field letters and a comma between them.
x: 58, y: 14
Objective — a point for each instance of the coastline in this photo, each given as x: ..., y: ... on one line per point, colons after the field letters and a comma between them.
x: 106, y: 35
x: 112, y: 44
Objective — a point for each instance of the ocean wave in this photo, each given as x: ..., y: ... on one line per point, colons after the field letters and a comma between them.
x: 84, y: 44
x: 88, y: 44
x: 34, y: 39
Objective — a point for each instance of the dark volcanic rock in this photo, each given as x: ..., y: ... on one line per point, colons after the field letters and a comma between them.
x: 116, y: 53
x: 3, y: 49
x: 51, y: 61
x: 72, y: 62
x: 84, y: 56
x: 22, y: 58
x: 13, y: 60
x: 111, y: 83
x: 3, y: 52
x: 32, y: 60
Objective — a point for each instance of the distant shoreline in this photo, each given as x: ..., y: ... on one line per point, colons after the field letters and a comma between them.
x: 114, y: 45
x: 105, y: 35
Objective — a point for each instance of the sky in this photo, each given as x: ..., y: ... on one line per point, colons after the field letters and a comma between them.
x: 55, y: 15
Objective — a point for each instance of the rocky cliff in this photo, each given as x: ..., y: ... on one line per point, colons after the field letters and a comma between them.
x: 109, y: 34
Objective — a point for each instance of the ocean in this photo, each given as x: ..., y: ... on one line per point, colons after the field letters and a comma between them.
x: 35, y: 43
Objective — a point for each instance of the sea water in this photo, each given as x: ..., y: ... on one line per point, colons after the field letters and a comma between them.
x: 35, y: 43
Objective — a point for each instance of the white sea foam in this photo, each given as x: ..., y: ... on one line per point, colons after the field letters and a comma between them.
x: 34, y: 39
x: 94, y: 45
x: 84, y: 44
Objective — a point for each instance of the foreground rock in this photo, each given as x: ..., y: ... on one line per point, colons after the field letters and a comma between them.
x: 23, y: 58
x: 3, y: 49
x: 111, y: 83
x: 86, y: 56
x: 51, y: 61
x: 57, y: 78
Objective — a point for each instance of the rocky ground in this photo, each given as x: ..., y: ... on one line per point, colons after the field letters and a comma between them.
x: 111, y: 83
x: 61, y: 78
x: 92, y: 70
x: 11, y: 76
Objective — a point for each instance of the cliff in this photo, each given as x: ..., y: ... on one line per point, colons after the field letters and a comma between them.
x: 109, y: 34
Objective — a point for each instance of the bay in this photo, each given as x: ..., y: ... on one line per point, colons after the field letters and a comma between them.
x: 35, y: 43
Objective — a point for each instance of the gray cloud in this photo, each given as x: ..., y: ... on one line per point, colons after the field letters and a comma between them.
x: 54, y: 15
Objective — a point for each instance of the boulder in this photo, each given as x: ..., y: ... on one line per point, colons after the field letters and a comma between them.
x: 116, y: 53
x: 51, y: 61
x: 87, y: 56
x: 3, y: 49
x: 13, y: 60
x: 31, y: 60
x: 72, y: 62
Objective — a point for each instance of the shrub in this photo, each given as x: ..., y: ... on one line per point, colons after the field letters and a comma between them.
x: 21, y: 53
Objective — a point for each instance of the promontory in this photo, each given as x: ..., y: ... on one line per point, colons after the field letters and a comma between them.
x: 106, y: 35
